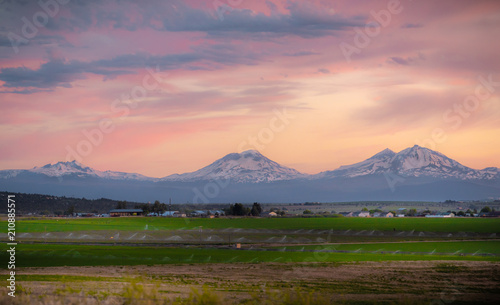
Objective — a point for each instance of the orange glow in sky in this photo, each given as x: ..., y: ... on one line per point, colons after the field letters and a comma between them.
x: 170, y: 86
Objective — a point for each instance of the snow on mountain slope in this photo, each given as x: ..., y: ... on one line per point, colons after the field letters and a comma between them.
x: 419, y: 161
x: 251, y: 166
x: 74, y: 168
x: 415, y: 161
x: 64, y: 168
x: 373, y: 165
x: 490, y: 172
x: 248, y: 166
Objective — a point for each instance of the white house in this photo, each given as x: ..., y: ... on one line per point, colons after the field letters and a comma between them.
x: 362, y: 214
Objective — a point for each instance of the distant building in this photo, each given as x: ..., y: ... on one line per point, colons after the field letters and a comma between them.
x: 169, y: 213
x: 361, y: 214
x: 441, y: 215
x: 199, y: 213
x: 346, y: 214
x: 217, y: 212
x: 126, y: 212
x: 388, y: 214
x: 272, y: 214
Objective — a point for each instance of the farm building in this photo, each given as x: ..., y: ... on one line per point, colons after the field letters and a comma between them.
x: 383, y: 214
x: 125, y: 212
x: 361, y: 214
x: 199, y: 213
x: 441, y: 215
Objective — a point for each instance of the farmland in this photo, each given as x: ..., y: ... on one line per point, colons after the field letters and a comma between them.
x: 47, y: 255
x: 463, y: 247
x: 324, y: 259
x: 475, y: 225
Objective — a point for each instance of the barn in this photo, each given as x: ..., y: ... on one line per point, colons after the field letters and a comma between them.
x: 125, y: 212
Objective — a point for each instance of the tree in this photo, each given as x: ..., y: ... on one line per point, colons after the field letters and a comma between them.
x: 159, y: 208
x: 461, y: 213
x: 121, y: 205
x: 307, y: 212
x: 238, y: 209
x: 71, y: 210
x: 486, y: 209
x: 364, y: 209
x: 256, y: 209
x: 146, y: 208
x: 412, y: 212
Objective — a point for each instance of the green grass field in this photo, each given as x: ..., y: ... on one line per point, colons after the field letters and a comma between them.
x: 477, y: 247
x: 76, y: 254
x: 476, y: 225
x: 44, y: 255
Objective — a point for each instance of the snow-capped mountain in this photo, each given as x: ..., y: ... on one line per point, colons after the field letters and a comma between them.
x: 64, y: 168
x: 422, y: 174
x: 251, y: 166
x: 415, y: 161
x: 248, y: 166
x: 75, y: 169
x: 419, y: 161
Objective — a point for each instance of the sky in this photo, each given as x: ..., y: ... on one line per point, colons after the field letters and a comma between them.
x: 163, y: 87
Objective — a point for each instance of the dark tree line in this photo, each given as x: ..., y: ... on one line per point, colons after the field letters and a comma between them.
x: 239, y: 209
x: 58, y: 205
x: 156, y: 207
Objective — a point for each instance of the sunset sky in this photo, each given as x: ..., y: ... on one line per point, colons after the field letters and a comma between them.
x: 170, y: 86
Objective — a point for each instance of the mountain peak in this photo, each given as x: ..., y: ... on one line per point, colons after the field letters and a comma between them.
x: 63, y: 168
x: 409, y: 149
x: 415, y: 161
x: 247, y: 166
x: 251, y: 151
x: 60, y: 164
x: 384, y: 153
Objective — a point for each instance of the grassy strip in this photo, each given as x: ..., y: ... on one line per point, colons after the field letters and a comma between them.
x: 478, y: 247
x: 71, y: 255
x: 476, y: 225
